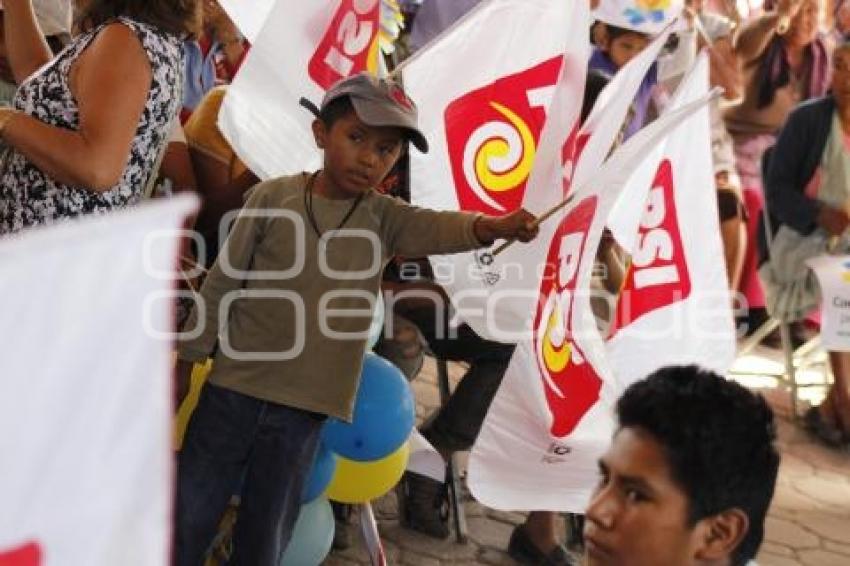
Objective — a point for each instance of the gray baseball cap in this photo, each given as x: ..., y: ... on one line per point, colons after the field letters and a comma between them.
x: 379, y: 102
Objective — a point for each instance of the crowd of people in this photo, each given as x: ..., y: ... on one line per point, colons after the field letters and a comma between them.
x: 104, y: 103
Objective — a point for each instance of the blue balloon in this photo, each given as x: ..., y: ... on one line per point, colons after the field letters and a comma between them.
x: 312, y: 537
x: 384, y: 414
x: 321, y: 474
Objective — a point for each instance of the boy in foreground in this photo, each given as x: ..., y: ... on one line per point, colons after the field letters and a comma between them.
x: 689, y: 477
x: 289, y: 303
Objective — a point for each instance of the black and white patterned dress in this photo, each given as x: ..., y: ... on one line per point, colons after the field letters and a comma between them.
x: 29, y: 197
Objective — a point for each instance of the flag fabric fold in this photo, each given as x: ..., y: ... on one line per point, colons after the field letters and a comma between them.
x: 248, y: 15
x: 552, y: 416
x: 86, y: 393
x: 301, y: 50
x: 675, y: 291
x: 484, y: 91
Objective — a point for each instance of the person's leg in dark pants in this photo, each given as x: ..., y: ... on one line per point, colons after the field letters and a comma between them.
x: 284, y: 448
x: 210, y: 466
x: 423, y: 501
x: 457, y: 423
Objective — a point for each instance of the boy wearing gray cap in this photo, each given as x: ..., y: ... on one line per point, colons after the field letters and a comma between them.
x: 288, y: 306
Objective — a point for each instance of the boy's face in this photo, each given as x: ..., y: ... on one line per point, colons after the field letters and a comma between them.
x: 357, y: 156
x: 638, y: 515
x: 626, y: 47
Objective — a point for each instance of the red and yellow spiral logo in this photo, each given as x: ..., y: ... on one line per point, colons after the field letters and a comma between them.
x: 570, y: 383
x: 492, y: 135
x: 498, y: 156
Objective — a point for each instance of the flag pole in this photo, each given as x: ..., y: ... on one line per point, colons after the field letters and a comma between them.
x: 713, y: 94
x: 542, y: 218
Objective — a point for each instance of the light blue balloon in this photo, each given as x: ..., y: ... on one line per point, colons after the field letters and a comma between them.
x: 321, y: 474
x: 313, y: 535
x: 377, y: 326
x: 384, y: 413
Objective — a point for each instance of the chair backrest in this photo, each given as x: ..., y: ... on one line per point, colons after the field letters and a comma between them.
x: 767, y: 223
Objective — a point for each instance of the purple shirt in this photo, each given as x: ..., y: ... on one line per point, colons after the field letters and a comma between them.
x: 434, y: 16
x: 599, y: 60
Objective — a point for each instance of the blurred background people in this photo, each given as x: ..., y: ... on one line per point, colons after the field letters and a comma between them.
x: 807, y: 191
x: 88, y: 127
x: 785, y: 61
x: 213, y: 58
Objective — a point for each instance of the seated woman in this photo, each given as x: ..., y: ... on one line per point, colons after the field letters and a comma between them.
x: 807, y: 191
x: 87, y: 128
x: 784, y: 62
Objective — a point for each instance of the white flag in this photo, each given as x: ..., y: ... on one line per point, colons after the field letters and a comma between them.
x: 676, y: 291
x: 483, y: 92
x: 625, y: 218
x: 86, y: 391
x: 602, y: 127
x: 551, y: 418
x: 248, y: 15
x: 302, y: 49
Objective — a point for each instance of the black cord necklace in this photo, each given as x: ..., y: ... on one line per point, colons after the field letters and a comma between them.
x: 308, y: 206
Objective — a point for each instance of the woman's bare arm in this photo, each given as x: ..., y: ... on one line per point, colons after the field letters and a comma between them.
x: 110, y: 82
x: 26, y: 48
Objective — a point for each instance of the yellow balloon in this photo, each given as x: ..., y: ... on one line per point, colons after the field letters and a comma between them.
x: 199, y: 376
x: 359, y: 482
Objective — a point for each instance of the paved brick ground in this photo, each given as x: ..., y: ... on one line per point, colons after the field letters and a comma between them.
x: 808, y: 525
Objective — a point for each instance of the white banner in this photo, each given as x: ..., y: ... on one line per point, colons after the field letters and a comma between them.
x: 86, y: 390
x: 483, y: 92
x: 248, y: 15
x: 302, y: 49
x: 602, y: 127
x: 551, y: 418
x: 676, y: 291
x: 833, y: 273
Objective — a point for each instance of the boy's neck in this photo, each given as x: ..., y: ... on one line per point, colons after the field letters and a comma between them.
x: 325, y: 187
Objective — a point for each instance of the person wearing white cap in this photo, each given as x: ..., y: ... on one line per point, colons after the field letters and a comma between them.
x: 624, y: 29
x: 54, y: 21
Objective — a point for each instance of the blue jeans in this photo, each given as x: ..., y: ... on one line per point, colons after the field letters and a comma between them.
x: 232, y: 436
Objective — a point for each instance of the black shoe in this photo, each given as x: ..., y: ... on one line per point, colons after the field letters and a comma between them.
x: 797, y: 331
x: 523, y: 550
x: 342, y: 524
x: 423, y: 505
x: 753, y: 320
x: 756, y: 317
x: 820, y: 429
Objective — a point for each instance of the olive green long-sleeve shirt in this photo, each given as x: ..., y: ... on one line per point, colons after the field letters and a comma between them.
x: 290, y: 311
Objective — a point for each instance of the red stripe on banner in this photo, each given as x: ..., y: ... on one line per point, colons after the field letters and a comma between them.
x: 27, y: 555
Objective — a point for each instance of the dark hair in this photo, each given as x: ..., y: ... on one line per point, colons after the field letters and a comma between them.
x: 177, y: 17
x: 335, y: 109
x: 613, y: 32
x: 719, y: 441
x: 595, y: 82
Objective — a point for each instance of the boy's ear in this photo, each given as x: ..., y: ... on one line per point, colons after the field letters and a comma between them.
x: 721, y: 534
x: 320, y: 133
